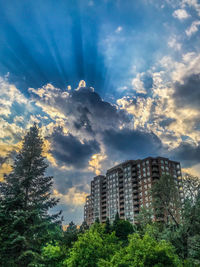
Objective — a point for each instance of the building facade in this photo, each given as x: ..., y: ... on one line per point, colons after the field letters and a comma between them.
x: 125, y: 188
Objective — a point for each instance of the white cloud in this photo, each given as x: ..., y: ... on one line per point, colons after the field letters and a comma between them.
x: 73, y: 197
x: 181, y: 14
x: 119, y: 29
x: 192, y: 3
x: 174, y: 44
x: 81, y: 84
x: 9, y: 95
x: 193, y: 28
x: 138, y: 84
x: 159, y: 113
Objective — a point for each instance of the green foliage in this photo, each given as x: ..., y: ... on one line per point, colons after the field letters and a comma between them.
x: 166, y: 198
x: 123, y: 229
x: 25, y: 224
x: 185, y: 237
x: 145, y: 217
x: 83, y: 227
x: 70, y: 235
x: 92, y: 246
x: 53, y: 255
x: 31, y: 237
x: 144, y: 251
x: 107, y: 226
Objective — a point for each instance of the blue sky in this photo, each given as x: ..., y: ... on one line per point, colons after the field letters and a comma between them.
x: 139, y: 63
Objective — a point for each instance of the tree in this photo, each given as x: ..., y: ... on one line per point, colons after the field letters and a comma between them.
x: 191, y: 187
x: 70, y: 235
x: 122, y: 228
x: 145, y: 217
x: 107, y: 226
x: 53, y: 255
x: 97, y: 220
x: 25, y: 198
x: 186, y: 237
x: 166, y: 199
x: 83, y: 227
x: 144, y: 251
x: 115, y: 222
x: 92, y: 246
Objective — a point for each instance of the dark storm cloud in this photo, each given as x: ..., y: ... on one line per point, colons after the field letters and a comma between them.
x: 69, y: 150
x: 101, y: 112
x: 85, y: 110
x: 131, y: 144
x: 66, y: 179
x: 188, y: 154
x: 188, y: 93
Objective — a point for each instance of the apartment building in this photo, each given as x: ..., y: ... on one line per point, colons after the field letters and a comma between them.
x: 125, y: 188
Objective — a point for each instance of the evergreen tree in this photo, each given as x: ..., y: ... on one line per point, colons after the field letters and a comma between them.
x: 116, y: 221
x: 70, y: 235
x: 25, y: 198
x: 83, y: 227
x: 72, y: 227
x: 107, y: 226
x: 97, y: 220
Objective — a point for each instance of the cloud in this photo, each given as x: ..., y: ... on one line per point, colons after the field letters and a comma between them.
x: 142, y: 83
x: 95, y: 163
x: 192, y: 3
x: 193, y: 28
x: 70, y: 151
x: 72, y: 197
x: 181, y: 14
x: 187, y: 153
x: 119, y: 29
x: 187, y: 93
x: 174, y: 44
x: 9, y: 96
x: 166, y: 122
x: 131, y: 144
x: 82, y: 111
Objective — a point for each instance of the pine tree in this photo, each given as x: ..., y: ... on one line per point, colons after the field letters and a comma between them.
x: 83, y: 227
x: 25, y: 198
x: 107, y: 226
x: 116, y: 221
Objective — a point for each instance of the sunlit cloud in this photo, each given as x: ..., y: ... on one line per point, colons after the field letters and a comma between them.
x: 72, y: 198
x: 181, y: 14
x: 95, y: 163
x: 193, y: 28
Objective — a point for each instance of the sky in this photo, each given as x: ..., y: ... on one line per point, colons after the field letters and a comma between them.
x: 106, y: 81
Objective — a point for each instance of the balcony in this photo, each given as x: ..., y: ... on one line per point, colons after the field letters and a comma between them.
x: 155, y: 169
x: 155, y: 175
x: 154, y: 162
x: 121, y: 190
